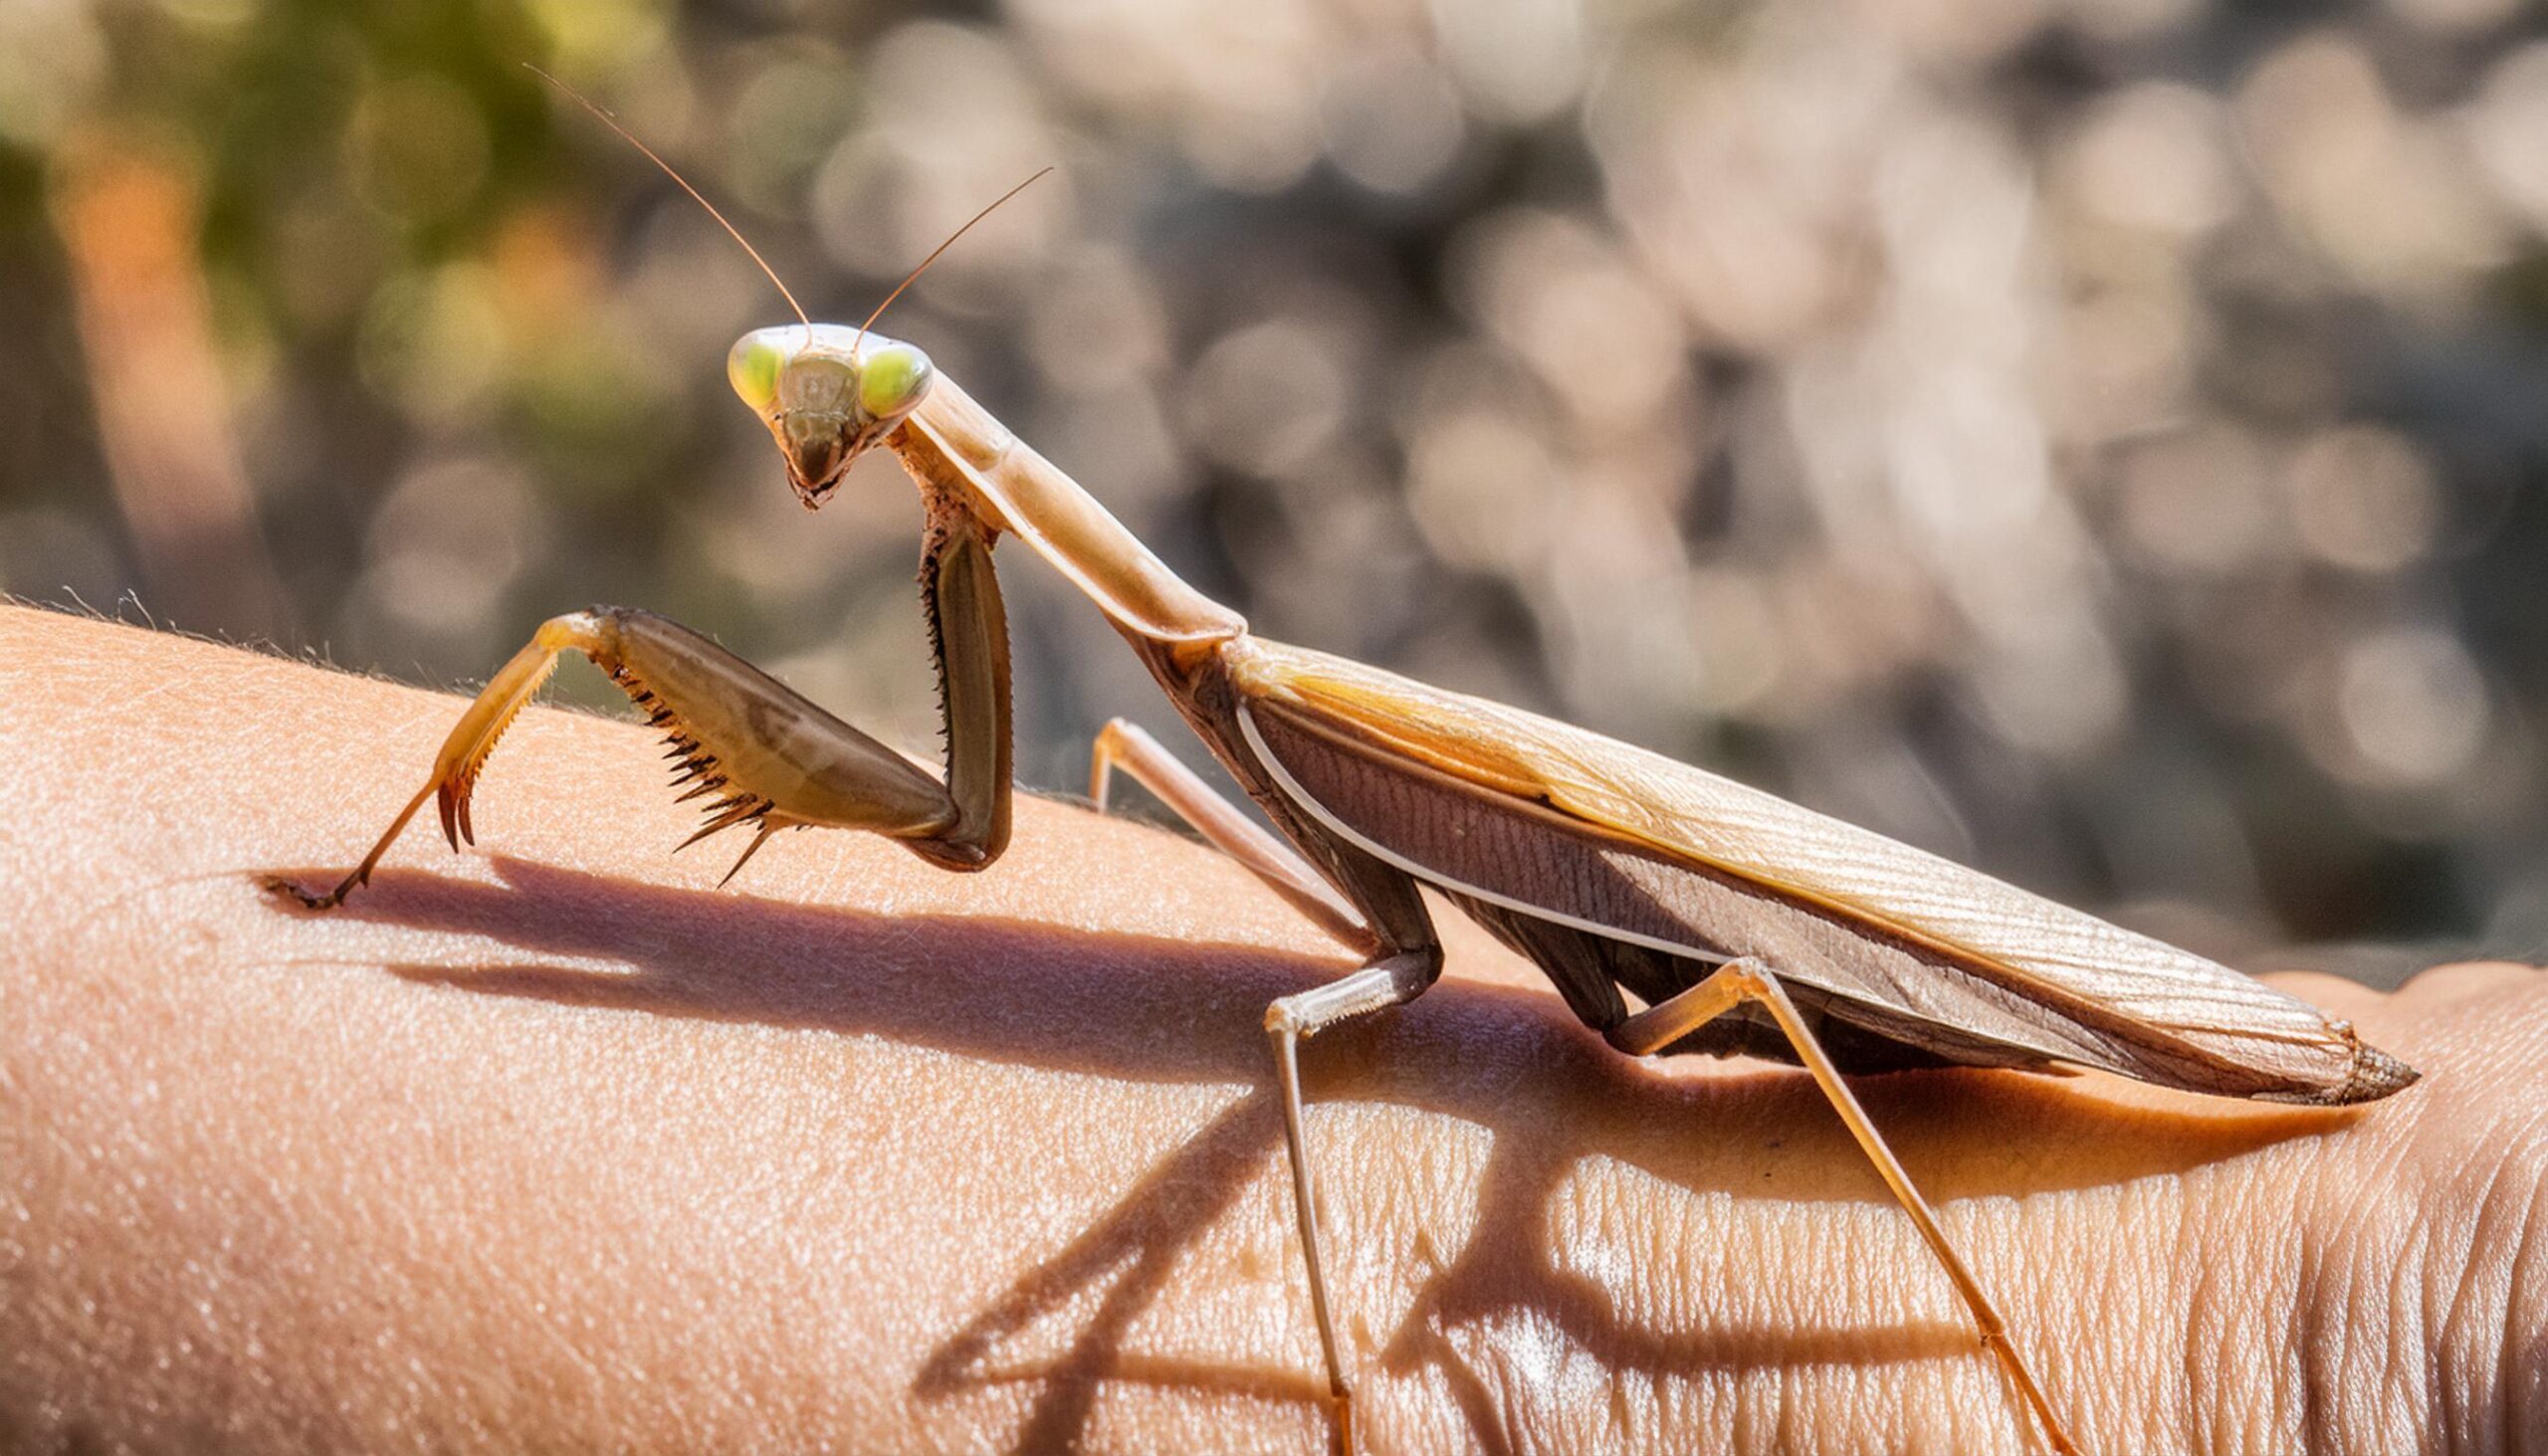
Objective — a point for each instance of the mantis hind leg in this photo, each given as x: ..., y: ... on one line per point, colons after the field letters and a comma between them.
x: 1739, y: 981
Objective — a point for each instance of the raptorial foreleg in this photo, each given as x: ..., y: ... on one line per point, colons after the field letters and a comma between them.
x: 771, y: 756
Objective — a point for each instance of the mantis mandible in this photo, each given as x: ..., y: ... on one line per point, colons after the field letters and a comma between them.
x: 1738, y: 922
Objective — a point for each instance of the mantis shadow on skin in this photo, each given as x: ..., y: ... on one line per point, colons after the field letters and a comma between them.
x: 1150, y: 1010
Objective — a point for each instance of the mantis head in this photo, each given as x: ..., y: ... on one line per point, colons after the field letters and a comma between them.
x: 826, y: 395
x: 826, y: 392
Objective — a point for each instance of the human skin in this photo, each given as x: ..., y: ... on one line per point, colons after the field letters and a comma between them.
x: 554, y: 1145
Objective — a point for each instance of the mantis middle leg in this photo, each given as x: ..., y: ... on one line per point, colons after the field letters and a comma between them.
x: 1390, y: 981
x: 1129, y: 747
x: 1372, y: 909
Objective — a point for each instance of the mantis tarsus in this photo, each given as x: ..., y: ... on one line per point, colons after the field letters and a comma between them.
x: 1741, y: 922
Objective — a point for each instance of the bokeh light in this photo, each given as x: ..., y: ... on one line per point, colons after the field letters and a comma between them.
x: 2102, y: 441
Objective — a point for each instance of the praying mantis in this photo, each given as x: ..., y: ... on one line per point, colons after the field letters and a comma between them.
x: 1739, y: 923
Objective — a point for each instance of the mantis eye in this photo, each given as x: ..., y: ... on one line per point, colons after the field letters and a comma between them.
x: 892, y: 379
x: 753, y: 369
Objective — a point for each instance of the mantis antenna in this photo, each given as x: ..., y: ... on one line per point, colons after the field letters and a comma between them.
x: 913, y: 276
x: 607, y: 119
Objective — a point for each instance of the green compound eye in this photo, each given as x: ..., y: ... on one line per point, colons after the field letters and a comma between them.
x: 753, y: 369
x: 892, y: 379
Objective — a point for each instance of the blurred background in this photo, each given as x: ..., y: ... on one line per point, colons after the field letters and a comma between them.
x: 2099, y: 440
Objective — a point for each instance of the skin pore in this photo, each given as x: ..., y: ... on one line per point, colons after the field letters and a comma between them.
x: 550, y: 1145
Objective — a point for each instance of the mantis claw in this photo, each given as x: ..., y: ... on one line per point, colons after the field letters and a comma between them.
x: 768, y: 828
x: 726, y: 814
x: 284, y: 886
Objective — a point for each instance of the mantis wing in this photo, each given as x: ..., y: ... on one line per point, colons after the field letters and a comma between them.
x: 1550, y: 821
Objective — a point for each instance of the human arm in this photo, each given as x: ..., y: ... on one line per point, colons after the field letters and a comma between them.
x: 551, y: 1145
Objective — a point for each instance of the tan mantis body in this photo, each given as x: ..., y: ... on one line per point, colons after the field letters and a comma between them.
x: 1742, y: 923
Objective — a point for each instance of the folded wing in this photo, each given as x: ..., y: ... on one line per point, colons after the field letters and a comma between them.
x: 1630, y: 843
